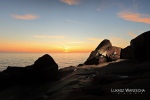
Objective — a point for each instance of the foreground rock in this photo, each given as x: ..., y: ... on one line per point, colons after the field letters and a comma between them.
x: 44, y: 69
x: 89, y: 82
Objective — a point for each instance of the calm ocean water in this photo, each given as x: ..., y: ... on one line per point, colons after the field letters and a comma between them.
x: 24, y: 59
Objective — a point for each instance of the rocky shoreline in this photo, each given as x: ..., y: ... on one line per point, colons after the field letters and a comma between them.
x: 43, y: 80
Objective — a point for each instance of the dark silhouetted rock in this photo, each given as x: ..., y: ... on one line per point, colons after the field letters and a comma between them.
x: 92, y: 61
x: 46, y: 61
x: 141, y: 46
x: 44, y: 69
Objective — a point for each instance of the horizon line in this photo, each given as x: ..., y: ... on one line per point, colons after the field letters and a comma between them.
x: 45, y: 52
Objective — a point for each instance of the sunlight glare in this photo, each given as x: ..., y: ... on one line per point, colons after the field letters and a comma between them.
x: 66, y: 49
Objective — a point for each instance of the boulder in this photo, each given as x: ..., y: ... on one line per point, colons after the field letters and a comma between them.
x: 44, y: 69
x: 140, y: 46
x: 46, y: 61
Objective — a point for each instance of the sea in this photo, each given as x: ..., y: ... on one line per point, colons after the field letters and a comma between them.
x: 25, y: 59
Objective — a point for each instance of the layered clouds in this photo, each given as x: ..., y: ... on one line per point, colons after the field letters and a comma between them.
x: 25, y: 16
x: 134, y: 17
x: 132, y: 35
x: 71, y: 2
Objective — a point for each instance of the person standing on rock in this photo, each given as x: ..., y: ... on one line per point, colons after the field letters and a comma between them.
x: 138, y: 50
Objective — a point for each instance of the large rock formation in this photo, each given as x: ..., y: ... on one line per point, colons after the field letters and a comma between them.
x: 46, y: 67
x: 141, y: 46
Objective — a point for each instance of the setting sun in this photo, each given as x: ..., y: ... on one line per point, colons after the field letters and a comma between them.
x: 66, y: 49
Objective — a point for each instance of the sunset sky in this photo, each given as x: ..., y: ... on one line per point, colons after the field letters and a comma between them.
x: 70, y: 25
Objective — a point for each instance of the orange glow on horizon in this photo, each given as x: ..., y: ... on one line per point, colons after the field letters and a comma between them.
x: 43, y: 51
x: 30, y: 48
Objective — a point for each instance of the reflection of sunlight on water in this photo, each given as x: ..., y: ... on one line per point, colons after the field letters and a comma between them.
x: 69, y: 59
x: 24, y: 59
